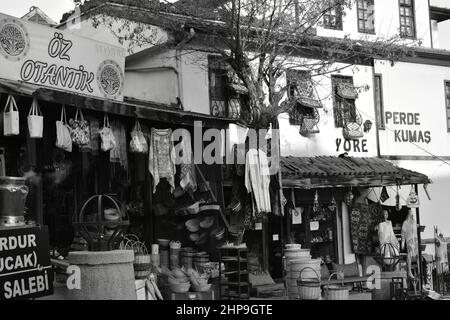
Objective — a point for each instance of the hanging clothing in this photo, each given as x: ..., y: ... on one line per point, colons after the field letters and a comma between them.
x: 161, y: 162
x: 409, y: 235
x: 441, y: 255
x: 119, y: 154
x: 188, y: 180
x: 389, y: 245
x: 257, y: 179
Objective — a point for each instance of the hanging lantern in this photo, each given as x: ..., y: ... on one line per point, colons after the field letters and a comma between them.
x: 349, y: 198
x: 413, y: 200
x: 316, y: 206
x: 333, y: 205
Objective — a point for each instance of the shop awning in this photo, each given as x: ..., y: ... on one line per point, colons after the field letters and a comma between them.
x: 328, y: 172
x: 135, y: 109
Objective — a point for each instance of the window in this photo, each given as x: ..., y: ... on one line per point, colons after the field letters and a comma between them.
x: 299, y: 83
x: 379, y: 106
x: 447, y: 100
x: 228, y: 97
x: 332, y: 19
x: 366, y: 16
x: 300, y: 90
x: 407, y: 19
x: 344, y: 96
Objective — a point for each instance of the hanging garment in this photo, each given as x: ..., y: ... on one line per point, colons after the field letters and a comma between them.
x: 119, y: 153
x: 161, y: 162
x: 257, y: 179
x: 441, y: 255
x: 389, y: 246
x: 409, y: 235
x: 188, y: 180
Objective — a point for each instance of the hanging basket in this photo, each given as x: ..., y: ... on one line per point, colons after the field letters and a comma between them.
x: 309, y: 126
x: 352, y: 131
x: 336, y: 291
x: 309, y: 289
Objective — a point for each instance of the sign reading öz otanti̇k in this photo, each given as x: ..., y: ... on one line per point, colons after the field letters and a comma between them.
x: 25, y: 269
x: 49, y: 57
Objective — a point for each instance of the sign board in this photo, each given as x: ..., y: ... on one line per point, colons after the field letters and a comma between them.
x: 49, y: 57
x: 25, y: 269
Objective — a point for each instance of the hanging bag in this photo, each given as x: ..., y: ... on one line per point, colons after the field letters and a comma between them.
x: 63, y: 136
x: 138, y: 143
x: 79, y: 129
x: 107, y: 136
x: 35, y: 121
x: 11, y: 118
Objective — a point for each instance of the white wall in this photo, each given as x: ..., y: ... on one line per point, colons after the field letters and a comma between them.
x: 444, y: 34
x: 325, y: 142
x: 387, y: 22
x: 440, y: 3
x: 415, y: 88
x: 195, y: 82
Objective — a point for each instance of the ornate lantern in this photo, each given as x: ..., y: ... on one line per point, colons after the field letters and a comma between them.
x: 349, y: 198
x: 333, y: 205
x: 316, y: 206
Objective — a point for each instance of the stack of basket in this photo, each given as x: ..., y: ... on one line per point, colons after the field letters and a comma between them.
x: 296, y: 260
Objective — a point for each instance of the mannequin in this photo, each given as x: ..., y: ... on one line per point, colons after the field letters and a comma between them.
x: 389, y: 246
x: 409, y: 239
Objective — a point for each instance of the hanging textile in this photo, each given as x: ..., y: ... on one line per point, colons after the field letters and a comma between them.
x: 119, y: 153
x: 257, y: 179
x: 94, y: 136
x: 188, y: 179
x: 363, y: 219
x: 161, y: 162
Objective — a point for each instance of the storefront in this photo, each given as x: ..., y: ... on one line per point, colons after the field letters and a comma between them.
x: 332, y: 211
x: 51, y: 72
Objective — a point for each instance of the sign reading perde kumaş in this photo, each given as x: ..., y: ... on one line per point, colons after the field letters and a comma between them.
x: 25, y: 269
x: 53, y: 58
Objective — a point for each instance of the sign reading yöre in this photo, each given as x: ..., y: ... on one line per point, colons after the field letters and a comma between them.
x: 25, y: 269
x: 49, y: 57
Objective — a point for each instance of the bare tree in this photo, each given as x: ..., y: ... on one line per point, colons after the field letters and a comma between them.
x: 258, y: 39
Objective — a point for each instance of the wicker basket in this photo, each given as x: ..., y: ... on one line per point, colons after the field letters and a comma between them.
x: 142, y: 259
x: 336, y: 292
x: 309, y: 289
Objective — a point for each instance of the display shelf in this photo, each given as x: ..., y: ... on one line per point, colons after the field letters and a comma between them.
x: 235, y: 272
x: 230, y: 259
x: 237, y: 285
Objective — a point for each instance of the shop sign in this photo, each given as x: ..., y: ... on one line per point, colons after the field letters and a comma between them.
x: 52, y: 58
x: 356, y: 146
x: 407, y: 127
x: 25, y: 269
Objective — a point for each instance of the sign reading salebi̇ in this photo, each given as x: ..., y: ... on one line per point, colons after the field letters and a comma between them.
x: 48, y: 57
x: 25, y: 269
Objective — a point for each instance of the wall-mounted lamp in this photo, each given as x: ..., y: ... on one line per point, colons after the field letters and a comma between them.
x: 367, y: 125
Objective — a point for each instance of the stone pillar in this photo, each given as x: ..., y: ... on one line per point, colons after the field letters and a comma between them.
x: 107, y: 275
